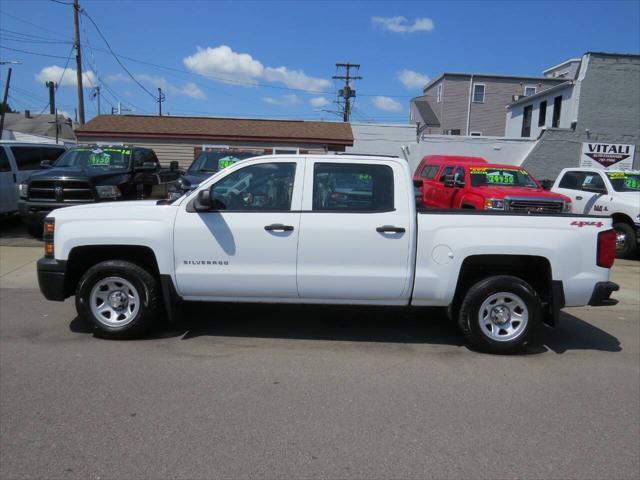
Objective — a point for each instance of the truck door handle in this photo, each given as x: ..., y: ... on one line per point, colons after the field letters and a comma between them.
x: 390, y: 229
x: 579, y: 197
x: 278, y: 227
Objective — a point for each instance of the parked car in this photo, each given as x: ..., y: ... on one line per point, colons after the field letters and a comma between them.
x: 472, y: 183
x: 89, y: 174
x: 276, y: 229
x: 607, y: 193
x: 208, y: 162
x: 17, y: 162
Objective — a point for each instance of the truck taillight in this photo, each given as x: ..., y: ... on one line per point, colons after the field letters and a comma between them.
x: 606, y: 248
x: 47, y: 236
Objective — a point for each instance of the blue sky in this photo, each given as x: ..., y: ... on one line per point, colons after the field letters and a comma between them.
x: 270, y: 59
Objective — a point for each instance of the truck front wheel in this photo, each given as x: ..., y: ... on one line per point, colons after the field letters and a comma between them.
x: 120, y: 299
x: 500, y: 314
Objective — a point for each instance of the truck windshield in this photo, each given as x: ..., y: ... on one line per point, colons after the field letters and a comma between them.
x: 501, y: 177
x: 107, y: 158
x: 212, y: 161
x: 625, y: 181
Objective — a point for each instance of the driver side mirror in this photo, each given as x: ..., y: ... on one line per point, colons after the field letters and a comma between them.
x: 147, y: 167
x: 205, y: 202
x: 448, y: 181
x: 45, y: 164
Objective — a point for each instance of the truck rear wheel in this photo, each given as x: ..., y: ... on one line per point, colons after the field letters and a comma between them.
x: 626, y: 244
x: 500, y: 314
x: 120, y: 299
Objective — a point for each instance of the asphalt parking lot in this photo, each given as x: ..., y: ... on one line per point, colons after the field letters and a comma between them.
x: 273, y: 392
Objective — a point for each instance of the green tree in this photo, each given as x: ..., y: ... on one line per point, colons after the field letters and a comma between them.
x: 6, y: 108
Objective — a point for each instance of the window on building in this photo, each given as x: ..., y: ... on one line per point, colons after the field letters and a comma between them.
x: 557, y: 107
x: 285, y: 151
x: 526, y: 121
x: 476, y: 134
x: 478, y: 93
x: 439, y: 93
x: 451, y: 131
x: 530, y: 91
x: 352, y: 187
x: 542, y: 114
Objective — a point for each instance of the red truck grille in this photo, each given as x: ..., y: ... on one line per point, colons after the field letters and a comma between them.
x: 534, y: 206
x: 60, y: 191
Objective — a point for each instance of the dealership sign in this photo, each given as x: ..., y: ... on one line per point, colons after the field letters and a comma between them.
x: 605, y: 155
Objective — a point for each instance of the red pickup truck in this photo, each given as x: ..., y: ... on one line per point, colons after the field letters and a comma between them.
x: 447, y: 181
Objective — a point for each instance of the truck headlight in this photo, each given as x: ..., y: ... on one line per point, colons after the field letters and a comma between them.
x: 567, y: 207
x: 493, y: 204
x: 23, y: 190
x: 108, y: 191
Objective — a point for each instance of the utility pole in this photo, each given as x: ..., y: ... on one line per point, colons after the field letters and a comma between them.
x: 52, y: 97
x: 76, y: 44
x: 160, y: 100
x: 347, y: 92
x: 4, y: 102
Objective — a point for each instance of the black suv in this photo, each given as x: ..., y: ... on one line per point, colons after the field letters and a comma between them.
x: 89, y: 174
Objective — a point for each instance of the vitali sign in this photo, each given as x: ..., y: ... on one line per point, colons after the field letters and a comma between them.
x: 605, y: 155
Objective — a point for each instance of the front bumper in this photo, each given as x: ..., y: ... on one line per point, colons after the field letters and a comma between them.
x: 51, y: 278
x: 602, y: 293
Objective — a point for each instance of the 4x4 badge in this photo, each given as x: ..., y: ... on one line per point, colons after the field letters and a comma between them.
x: 582, y: 223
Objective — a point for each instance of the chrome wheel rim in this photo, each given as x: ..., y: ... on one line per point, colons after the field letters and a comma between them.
x: 114, y: 301
x: 503, y: 316
x: 621, y: 241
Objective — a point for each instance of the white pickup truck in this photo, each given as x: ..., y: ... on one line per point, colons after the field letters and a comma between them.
x: 606, y: 193
x: 324, y: 229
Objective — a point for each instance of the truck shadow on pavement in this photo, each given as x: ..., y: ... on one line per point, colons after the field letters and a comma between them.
x: 362, y: 324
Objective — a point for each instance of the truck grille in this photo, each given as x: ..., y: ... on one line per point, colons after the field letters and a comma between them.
x: 60, y: 191
x: 535, y: 206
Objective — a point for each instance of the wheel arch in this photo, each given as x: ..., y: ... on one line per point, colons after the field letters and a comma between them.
x: 83, y: 258
x: 533, y: 269
x: 619, y: 217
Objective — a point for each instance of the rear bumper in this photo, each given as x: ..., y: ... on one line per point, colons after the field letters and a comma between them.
x: 51, y: 277
x: 602, y: 293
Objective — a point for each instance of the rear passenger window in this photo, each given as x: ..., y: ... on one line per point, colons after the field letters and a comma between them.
x: 29, y: 158
x: 573, y: 180
x: 429, y: 171
x: 350, y: 187
x: 4, y: 161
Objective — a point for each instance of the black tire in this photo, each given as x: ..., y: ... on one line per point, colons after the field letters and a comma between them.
x: 626, y: 249
x: 478, y: 337
x: 148, y: 295
x: 147, y: 191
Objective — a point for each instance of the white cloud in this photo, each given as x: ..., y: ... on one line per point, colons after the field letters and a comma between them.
x: 223, y: 64
x: 296, y: 79
x: 283, y: 101
x: 318, y: 102
x: 401, y: 24
x: 55, y: 74
x: 412, y: 80
x: 387, y: 104
x: 189, y: 89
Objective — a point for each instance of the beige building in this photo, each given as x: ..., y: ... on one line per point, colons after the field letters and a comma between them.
x: 183, y: 138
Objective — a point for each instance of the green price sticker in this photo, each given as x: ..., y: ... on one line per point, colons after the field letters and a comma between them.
x: 226, y: 162
x: 364, y: 177
x: 100, y: 159
x: 632, y: 183
x: 495, y: 178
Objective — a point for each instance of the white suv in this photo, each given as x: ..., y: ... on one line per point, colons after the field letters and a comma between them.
x: 609, y: 193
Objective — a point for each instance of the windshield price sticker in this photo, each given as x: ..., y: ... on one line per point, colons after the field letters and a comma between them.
x: 632, y: 183
x: 100, y: 159
x: 226, y: 162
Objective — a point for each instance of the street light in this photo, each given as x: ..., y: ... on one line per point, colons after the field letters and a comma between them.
x: 12, y: 62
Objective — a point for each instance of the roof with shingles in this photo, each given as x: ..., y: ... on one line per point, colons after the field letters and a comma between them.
x: 172, y: 127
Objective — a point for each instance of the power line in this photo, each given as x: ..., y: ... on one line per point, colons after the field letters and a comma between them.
x: 85, y: 13
x: 30, y: 53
